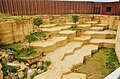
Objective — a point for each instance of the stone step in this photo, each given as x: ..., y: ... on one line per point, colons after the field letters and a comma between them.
x: 101, y: 34
x: 97, y: 28
x: 69, y: 33
x: 85, y: 26
x: 50, y: 44
x: 82, y: 38
x: 109, y: 43
x: 93, y: 23
x: 85, y: 51
x: 106, y: 26
x: 58, y: 67
x: 70, y: 23
x: 61, y: 52
x: 55, y: 30
x: 47, y: 26
x: 74, y: 76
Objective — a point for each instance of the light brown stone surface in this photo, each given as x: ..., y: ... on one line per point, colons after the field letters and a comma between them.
x: 101, y: 34
x: 55, y: 30
x: 93, y: 23
x: 74, y: 76
x: 69, y: 33
x: 85, y: 26
x: 97, y: 28
x: 47, y: 25
x: 15, y: 30
x: 70, y: 23
x: 117, y: 46
x: 56, y: 69
x: 50, y: 44
x: 109, y: 43
x: 83, y: 38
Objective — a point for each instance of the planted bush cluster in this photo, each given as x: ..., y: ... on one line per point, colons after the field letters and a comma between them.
x: 37, y: 21
x: 27, y: 52
x: 6, y: 69
x: 40, y: 34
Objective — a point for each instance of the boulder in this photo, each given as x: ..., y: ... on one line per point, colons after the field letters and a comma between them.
x: 33, y: 66
x: 39, y: 64
x: 21, y: 74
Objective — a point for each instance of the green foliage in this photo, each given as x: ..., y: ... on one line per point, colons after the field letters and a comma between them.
x: 27, y: 52
x: 77, y: 28
x: 40, y: 34
x: 112, y: 62
x: 33, y: 75
x: 7, y: 16
x: 6, y: 69
x: 93, y: 18
x: 15, y: 47
x: 47, y: 63
x: 30, y: 38
x: 37, y: 21
x: 42, y: 68
x: 75, y: 18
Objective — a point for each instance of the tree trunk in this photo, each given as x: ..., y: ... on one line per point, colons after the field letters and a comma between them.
x: 75, y: 25
x: 29, y: 45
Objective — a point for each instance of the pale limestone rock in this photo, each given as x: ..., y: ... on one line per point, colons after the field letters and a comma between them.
x: 1, y: 72
x: 39, y: 64
x: 21, y: 74
x: 33, y: 66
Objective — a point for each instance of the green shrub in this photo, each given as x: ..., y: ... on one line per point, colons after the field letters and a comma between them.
x: 15, y: 47
x: 75, y: 18
x: 6, y: 69
x: 112, y: 62
x: 27, y: 52
x: 40, y: 34
x: 30, y: 38
x: 33, y: 75
x: 47, y: 63
x: 37, y: 21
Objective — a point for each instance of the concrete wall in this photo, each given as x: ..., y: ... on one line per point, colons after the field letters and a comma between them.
x: 15, y: 30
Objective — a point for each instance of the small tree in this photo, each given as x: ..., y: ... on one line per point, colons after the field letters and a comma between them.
x: 37, y: 22
x: 30, y: 38
x: 75, y: 18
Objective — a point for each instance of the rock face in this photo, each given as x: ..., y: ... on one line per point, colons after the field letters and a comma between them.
x: 1, y: 72
x: 117, y: 46
x: 15, y: 30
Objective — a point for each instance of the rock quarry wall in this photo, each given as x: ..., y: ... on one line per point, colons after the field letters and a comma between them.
x: 15, y: 30
x: 117, y: 47
x: 111, y: 20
